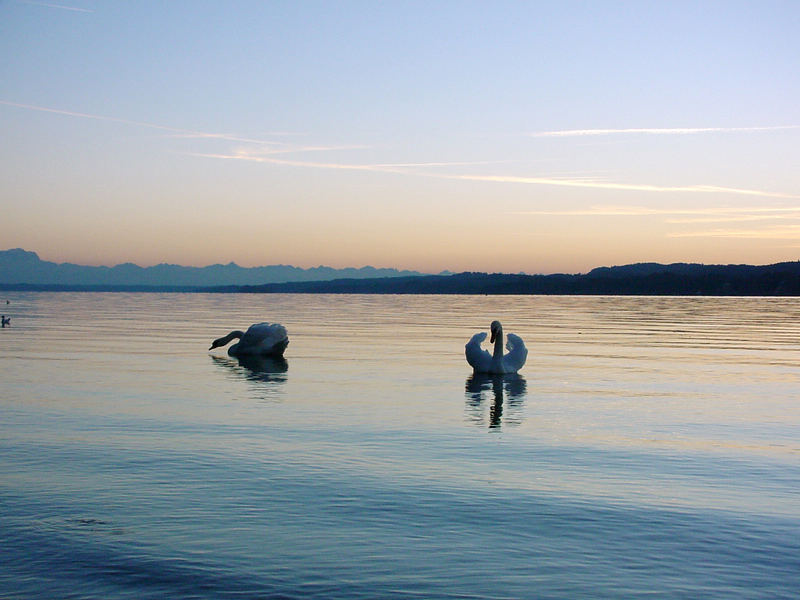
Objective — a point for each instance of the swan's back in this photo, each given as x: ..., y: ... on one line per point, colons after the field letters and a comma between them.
x: 263, y: 338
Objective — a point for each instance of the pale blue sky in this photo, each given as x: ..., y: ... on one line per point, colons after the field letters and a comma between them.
x: 518, y: 136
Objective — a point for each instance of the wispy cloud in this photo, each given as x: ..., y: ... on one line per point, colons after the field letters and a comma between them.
x: 787, y: 229
x: 423, y: 165
x: 269, y: 149
x: 791, y: 214
x: 784, y: 232
x: 175, y: 131
x: 58, y: 6
x: 273, y: 160
x: 609, y: 185
x: 577, y: 182
x: 269, y: 156
x: 226, y: 137
x: 714, y: 213
x: 658, y: 131
x: 261, y: 153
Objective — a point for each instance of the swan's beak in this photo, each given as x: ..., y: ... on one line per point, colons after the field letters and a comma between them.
x: 494, y: 334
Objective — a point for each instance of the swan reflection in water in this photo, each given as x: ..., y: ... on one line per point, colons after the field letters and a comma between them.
x: 264, y: 369
x: 499, y: 388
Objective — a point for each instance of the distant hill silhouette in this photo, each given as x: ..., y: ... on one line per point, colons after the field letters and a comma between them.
x: 20, y: 269
x: 680, y: 279
x: 19, y: 266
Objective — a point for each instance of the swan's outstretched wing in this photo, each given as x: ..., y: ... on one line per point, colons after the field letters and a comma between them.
x: 517, y: 353
x: 477, y: 357
x: 264, y: 338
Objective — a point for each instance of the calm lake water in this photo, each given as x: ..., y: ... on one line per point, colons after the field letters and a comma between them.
x: 649, y: 448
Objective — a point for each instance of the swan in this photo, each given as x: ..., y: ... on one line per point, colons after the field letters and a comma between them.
x: 495, y: 363
x: 261, y: 339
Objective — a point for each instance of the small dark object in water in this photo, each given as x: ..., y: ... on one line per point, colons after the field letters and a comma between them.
x: 6, y: 320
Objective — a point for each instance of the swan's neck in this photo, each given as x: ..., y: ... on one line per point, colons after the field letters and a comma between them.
x: 233, y: 335
x: 498, y: 344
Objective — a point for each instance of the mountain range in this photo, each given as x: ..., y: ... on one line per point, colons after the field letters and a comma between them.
x: 18, y: 266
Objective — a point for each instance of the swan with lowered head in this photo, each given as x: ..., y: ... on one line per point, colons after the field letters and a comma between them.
x: 261, y: 339
x: 496, y: 363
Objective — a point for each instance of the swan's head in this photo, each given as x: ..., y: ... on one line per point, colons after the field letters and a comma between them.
x: 224, y: 340
x: 495, y: 329
x: 219, y: 342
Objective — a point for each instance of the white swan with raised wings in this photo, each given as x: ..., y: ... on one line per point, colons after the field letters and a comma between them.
x: 261, y: 339
x: 496, y: 363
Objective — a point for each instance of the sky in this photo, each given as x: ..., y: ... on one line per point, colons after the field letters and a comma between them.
x: 533, y: 137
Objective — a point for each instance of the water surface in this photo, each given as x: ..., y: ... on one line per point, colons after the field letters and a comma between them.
x: 648, y: 448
